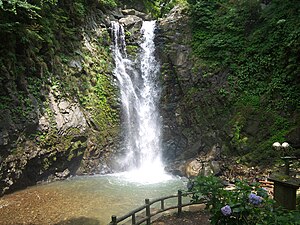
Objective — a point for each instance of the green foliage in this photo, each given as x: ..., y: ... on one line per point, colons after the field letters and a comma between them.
x: 157, y: 8
x: 5, y: 101
x: 80, y: 9
x: 254, y: 130
x: 31, y: 33
x: 152, y: 7
x: 247, y: 203
x: 38, y: 40
x: 18, y: 6
x: 166, y: 5
x: 259, y: 46
x: 15, y: 15
x: 108, y: 3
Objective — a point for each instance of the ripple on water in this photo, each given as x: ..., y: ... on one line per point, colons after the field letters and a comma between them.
x: 80, y: 200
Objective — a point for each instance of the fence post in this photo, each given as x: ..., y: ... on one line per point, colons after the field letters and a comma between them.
x: 162, y: 204
x: 179, y: 202
x: 113, y: 220
x: 147, y: 202
x: 133, y: 219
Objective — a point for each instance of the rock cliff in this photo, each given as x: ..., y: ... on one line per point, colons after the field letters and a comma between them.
x: 198, y: 111
x: 189, y: 104
x: 66, y: 120
x: 60, y: 119
x: 59, y: 111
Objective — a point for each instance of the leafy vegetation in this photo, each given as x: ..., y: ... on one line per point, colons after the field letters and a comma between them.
x: 258, y: 47
x: 108, y: 3
x: 39, y: 42
x: 245, y: 204
x: 157, y: 8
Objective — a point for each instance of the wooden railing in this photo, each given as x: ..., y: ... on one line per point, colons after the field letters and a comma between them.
x: 148, y: 203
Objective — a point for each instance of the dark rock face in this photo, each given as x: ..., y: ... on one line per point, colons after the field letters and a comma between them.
x: 61, y: 137
x: 173, y: 52
x: 36, y: 165
x: 293, y: 138
x: 58, y: 137
x: 185, y: 90
x: 47, y: 156
x: 197, y: 110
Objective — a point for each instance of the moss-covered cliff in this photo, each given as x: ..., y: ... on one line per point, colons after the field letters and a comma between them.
x: 230, y: 71
x: 59, y: 107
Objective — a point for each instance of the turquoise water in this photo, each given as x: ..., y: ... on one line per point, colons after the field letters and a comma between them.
x: 82, y: 200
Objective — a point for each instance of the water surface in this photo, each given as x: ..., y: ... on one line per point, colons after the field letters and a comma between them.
x: 81, y: 200
x: 93, y: 199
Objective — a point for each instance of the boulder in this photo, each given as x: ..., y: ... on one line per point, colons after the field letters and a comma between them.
x: 177, y: 168
x: 131, y: 21
x: 129, y: 12
x: 117, y: 13
x: 204, y: 164
x: 63, y: 175
x: 193, y: 168
x: 197, y: 167
x: 142, y: 15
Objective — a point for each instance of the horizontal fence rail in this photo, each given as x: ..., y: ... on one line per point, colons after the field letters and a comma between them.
x: 115, y: 220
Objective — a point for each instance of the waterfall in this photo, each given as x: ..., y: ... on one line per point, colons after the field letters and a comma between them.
x: 140, y: 93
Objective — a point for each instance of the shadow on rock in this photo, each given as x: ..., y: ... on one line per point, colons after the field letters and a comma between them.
x: 80, y: 221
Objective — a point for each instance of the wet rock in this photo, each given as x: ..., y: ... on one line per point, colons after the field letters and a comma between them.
x: 76, y: 64
x: 204, y: 164
x: 205, y: 168
x: 51, y: 139
x: 36, y: 164
x: 215, y: 166
x: 118, y: 13
x: 142, y: 15
x: 191, y: 123
x: 175, y: 65
x: 67, y: 114
x: 176, y: 168
x: 193, y: 168
x: 131, y: 21
x: 44, y: 124
x: 129, y: 11
x: 63, y: 175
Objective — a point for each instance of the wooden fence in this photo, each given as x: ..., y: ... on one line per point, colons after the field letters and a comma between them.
x: 146, y: 207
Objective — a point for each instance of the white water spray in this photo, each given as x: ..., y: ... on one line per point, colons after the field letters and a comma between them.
x: 140, y: 95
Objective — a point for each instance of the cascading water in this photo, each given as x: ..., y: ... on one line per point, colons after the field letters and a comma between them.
x: 140, y: 95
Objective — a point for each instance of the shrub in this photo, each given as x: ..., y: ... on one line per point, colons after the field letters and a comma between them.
x: 245, y: 204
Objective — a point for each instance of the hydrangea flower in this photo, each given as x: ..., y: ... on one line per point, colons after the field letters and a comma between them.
x: 226, y: 210
x: 255, y: 199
